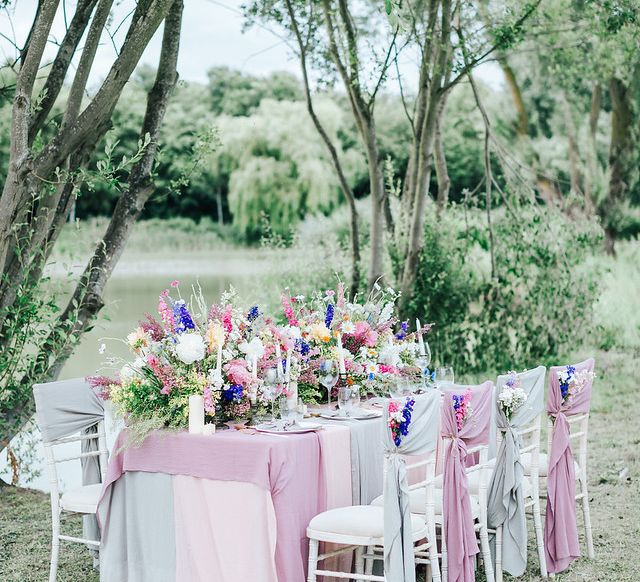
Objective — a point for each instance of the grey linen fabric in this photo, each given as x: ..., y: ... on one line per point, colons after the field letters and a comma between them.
x: 421, y: 439
x: 140, y: 505
x: 506, y: 500
x: 65, y: 408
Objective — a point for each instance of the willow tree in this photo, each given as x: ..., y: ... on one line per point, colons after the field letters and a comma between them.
x: 47, y: 166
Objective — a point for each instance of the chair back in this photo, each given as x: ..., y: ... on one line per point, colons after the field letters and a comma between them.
x: 419, y: 439
x: 69, y: 411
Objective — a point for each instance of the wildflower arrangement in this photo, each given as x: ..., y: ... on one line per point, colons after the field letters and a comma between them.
x: 400, y: 418
x: 462, y: 407
x: 223, y: 352
x: 364, y: 335
x: 512, y: 396
x: 573, y: 382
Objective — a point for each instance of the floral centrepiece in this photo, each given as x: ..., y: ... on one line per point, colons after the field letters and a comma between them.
x: 400, y: 418
x: 512, y: 396
x: 462, y: 407
x: 573, y: 382
x: 224, y: 352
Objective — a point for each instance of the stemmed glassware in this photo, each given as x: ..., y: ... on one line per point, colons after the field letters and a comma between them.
x: 329, y: 375
x: 424, y: 360
x: 345, y: 401
x: 270, y: 389
x: 444, y: 376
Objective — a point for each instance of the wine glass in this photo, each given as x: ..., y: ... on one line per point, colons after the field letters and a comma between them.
x: 270, y: 389
x: 288, y: 411
x: 329, y: 374
x: 344, y: 401
x: 444, y: 376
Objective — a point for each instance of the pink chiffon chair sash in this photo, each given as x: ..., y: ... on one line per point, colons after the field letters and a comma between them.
x: 459, y: 529
x: 561, y: 533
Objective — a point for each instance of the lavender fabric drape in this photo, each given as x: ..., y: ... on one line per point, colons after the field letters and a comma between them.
x: 560, y: 529
x: 457, y: 517
x: 65, y: 408
x: 506, y: 500
x: 421, y: 439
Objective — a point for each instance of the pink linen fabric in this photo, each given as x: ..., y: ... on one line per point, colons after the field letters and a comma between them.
x: 560, y: 529
x: 216, y: 523
x: 459, y: 530
x: 289, y: 467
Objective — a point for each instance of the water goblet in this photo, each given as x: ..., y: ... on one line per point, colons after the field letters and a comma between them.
x: 344, y: 401
x: 444, y: 377
x: 329, y: 375
x: 355, y: 396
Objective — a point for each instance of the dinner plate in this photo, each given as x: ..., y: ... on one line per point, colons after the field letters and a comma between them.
x: 294, y: 429
x: 355, y: 415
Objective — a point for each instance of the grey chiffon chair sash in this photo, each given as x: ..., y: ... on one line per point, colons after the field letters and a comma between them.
x: 506, y: 499
x: 421, y: 439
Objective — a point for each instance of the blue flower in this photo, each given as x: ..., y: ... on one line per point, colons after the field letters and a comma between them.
x: 182, y: 317
x: 404, y: 326
x: 233, y: 393
x: 302, y: 346
x: 254, y: 313
x: 329, y: 316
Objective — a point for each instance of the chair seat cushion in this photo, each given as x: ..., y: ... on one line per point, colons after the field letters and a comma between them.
x: 365, y: 521
x: 83, y: 499
x: 418, y: 501
x: 543, y: 464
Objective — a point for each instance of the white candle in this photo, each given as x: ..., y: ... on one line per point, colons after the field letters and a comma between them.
x: 343, y: 369
x: 288, y: 365
x: 254, y: 367
x: 219, y: 361
x: 196, y: 414
x: 420, y: 340
x: 279, y: 360
x: 209, y: 429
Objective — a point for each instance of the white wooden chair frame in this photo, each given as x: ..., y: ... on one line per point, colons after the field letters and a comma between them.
x: 530, y: 432
x: 56, y: 507
x: 369, y: 549
x: 480, y: 525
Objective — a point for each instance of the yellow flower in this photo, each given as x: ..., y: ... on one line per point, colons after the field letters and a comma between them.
x: 215, y: 335
x: 320, y: 332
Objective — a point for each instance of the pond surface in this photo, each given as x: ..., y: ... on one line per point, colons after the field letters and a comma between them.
x: 133, y: 291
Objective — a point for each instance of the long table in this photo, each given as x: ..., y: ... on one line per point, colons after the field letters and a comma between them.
x: 232, y: 506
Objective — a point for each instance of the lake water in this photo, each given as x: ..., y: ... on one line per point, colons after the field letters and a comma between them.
x: 133, y: 291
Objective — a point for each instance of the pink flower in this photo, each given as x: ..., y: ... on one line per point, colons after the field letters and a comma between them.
x: 175, y: 283
x: 393, y: 406
x: 340, y: 300
x: 288, y: 310
x: 365, y: 334
x: 237, y: 372
x: 209, y: 402
x: 166, y: 313
x: 226, y: 319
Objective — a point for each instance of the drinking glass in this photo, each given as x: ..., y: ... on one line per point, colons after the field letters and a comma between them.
x: 329, y: 374
x: 444, y: 376
x: 400, y: 388
x: 288, y: 411
x: 355, y: 396
x: 270, y: 389
x: 344, y: 401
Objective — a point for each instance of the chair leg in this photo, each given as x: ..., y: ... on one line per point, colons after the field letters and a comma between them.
x: 368, y: 562
x: 499, y: 553
x: 55, y: 551
x: 445, y: 566
x: 359, y: 568
x: 313, y: 560
x: 537, y: 526
x: 586, y: 513
x: 434, y: 565
x: 486, y: 553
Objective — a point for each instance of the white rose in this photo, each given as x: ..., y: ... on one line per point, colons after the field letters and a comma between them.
x: 131, y: 370
x: 190, y: 348
x: 390, y: 355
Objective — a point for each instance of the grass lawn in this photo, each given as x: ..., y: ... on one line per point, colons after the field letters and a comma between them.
x: 614, y: 439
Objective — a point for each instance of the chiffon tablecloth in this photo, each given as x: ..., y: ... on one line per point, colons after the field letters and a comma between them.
x: 228, y: 507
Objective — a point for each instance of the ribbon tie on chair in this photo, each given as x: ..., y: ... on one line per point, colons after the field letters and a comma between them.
x: 457, y: 516
x: 506, y: 498
x: 561, y: 532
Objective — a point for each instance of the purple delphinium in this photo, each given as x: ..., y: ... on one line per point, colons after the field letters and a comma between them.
x: 183, y: 320
x: 233, y: 393
x: 329, y: 316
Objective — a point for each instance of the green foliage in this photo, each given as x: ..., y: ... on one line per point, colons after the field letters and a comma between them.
x: 539, y: 305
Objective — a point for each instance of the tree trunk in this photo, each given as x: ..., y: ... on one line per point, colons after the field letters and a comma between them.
x: 442, y: 173
x: 620, y: 150
x: 86, y: 300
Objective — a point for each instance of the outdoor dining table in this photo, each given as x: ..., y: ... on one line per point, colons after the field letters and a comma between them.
x: 231, y: 506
